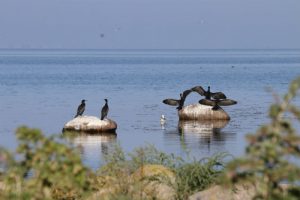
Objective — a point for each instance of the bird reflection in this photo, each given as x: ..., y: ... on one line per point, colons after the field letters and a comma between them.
x: 203, y: 128
x: 200, y: 133
x: 163, y: 122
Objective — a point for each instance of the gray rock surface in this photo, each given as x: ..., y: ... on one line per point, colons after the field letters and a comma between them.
x: 90, y: 124
x: 202, y: 112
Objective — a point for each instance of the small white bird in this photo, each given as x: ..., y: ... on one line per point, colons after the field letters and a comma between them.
x: 163, y: 119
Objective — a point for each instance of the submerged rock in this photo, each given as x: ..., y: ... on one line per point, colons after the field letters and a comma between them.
x: 90, y: 124
x: 202, y: 112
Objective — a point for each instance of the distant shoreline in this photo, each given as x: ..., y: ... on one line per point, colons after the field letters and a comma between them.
x: 95, y: 49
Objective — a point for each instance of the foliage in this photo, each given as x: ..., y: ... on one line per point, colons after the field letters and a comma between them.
x: 120, y: 169
x: 46, y: 168
x: 198, y: 175
x: 189, y: 176
x: 272, y: 156
x: 43, y: 169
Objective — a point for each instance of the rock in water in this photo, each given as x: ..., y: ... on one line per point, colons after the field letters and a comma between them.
x: 90, y: 124
x: 202, y: 112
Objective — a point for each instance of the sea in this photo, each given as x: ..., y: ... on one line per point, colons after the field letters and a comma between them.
x: 43, y: 88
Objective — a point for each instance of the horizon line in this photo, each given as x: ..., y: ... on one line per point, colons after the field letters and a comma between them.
x: 149, y: 49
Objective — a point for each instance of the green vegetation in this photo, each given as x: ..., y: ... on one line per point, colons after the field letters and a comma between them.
x: 271, y: 162
x: 42, y: 169
x: 46, y: 168
x: 187, y: 178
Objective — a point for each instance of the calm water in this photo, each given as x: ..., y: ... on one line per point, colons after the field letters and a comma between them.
x: 43, y: 89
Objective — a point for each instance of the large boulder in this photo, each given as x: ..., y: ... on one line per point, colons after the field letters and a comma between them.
x: 90, y: 124
x: 202, y: 112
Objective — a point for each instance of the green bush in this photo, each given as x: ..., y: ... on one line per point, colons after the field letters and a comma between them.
x: 271, y: 162
x: 190, y: 176
x: 198, y: 175
x: 43, y: 169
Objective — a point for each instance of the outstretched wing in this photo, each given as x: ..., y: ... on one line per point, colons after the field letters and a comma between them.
x: 185, y: 94
x: 226, y: 102
x: 218, y: 95
x: 199, y: 90
x: 207, y: 102
x: 183, y: 97
x: 171, y: 102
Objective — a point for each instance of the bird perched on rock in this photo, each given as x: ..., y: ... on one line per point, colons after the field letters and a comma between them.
x: 214, y: 99
x: 104, y: 110
x: 80, y: 108
x: 216, y: 103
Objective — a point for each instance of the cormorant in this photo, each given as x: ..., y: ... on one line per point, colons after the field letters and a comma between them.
x: 217, y: 103
x: 104, y: 110
x: 208, y: 94
x: 182, y: 98
x: 214, y: 99
x: 80, y: 108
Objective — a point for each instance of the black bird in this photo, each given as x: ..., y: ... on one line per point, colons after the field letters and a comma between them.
x: 182, y: 98
x: 80, y: 108
x: 217, y: 103
x: 180, y: 102
x: 104, y: 110
x: 208, y: 94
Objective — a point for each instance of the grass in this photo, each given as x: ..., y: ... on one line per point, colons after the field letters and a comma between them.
x: 189, y: 176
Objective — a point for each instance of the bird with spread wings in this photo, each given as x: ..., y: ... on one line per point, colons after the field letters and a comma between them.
x: 214, y: 99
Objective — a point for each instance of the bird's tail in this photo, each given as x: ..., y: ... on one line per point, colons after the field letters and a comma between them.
x: 76, y: 115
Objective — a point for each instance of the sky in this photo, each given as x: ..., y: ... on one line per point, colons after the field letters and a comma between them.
x: 150, y: 24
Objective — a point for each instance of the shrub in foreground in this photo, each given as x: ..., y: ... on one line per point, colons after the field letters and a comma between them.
x: 271, y: 162
x: 42, y: 169
x: 188, y: 176
x: 47, y: 168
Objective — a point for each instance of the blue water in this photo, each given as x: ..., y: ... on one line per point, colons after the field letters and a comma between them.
x: 42, y: 88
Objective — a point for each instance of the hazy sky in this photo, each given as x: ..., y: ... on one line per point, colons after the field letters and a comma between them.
x: 149, y: 24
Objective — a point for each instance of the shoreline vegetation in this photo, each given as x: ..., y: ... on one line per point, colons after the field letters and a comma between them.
x: 48, y: 168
